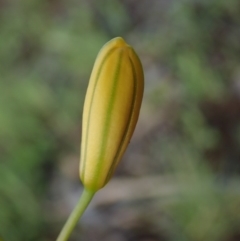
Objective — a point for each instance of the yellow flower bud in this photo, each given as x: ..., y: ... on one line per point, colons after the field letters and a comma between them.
x: 111, y: 111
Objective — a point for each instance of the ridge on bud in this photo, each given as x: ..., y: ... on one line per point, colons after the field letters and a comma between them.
x: 111, y: 111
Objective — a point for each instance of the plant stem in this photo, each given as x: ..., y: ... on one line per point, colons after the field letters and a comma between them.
x: 77, y: 212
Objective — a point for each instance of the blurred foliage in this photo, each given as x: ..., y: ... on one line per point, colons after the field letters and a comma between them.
x: 47, y: 49
x: 44, y: 62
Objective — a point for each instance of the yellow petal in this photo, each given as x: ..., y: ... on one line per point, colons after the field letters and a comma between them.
x: 111, y: 111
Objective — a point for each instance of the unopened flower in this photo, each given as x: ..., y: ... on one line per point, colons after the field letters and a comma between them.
x: 111, y: 111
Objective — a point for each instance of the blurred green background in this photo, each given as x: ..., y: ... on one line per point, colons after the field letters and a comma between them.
x: 179, y: 179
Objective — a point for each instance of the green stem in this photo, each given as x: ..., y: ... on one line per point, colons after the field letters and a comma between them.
x: 78, y: 211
